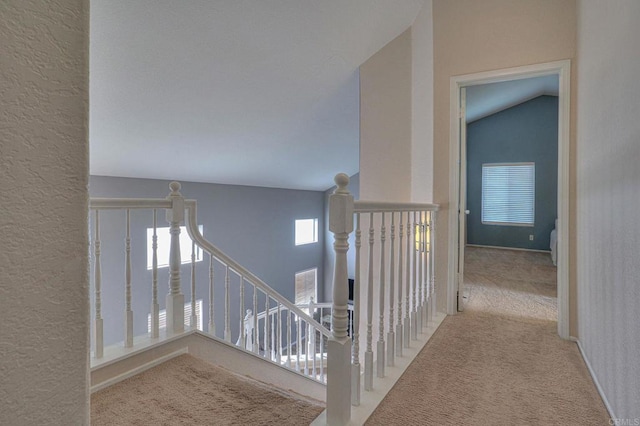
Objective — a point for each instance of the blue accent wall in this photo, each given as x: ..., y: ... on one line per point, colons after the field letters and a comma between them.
x: 527, y: 132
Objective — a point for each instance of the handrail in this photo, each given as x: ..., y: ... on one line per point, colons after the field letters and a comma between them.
x: 362, y: 206
x: 198, y: 238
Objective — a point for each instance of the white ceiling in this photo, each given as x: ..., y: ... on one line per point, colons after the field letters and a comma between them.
x: 487, y: 99
x: 250, y: 92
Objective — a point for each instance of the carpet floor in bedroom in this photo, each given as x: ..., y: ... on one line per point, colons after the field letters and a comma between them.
x: 500, y: 362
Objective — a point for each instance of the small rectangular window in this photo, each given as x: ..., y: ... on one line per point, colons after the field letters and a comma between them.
x: 306, y: 231
x: 508, y: 194
x: 164, y: 243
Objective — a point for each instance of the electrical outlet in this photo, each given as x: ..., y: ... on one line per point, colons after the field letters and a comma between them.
x: 530, y: 237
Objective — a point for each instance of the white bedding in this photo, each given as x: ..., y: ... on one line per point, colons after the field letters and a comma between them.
x: 553, y: 244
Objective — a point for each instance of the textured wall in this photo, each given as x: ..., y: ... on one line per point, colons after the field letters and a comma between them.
x: 43, y: 175
x: 473, y: 36
x: 385, y: 122
x: 608, y: 199
x: 524, y: 133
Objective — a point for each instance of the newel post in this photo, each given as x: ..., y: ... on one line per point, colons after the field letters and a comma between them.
x: 175, y: 298
x: 339, y: 345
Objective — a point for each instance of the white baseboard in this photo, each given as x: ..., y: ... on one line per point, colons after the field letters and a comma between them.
x: 138, y: 370
x: 509, y: 248
x: 595, y: 380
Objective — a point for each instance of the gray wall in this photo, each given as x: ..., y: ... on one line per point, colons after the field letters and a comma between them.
x: 255, y: 226
x: 524, y: 133
x: 329, y: 254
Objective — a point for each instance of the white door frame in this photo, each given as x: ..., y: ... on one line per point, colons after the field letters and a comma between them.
x: 562, y: 69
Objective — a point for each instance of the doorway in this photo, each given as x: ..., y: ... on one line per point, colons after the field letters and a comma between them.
x: 457, y: 219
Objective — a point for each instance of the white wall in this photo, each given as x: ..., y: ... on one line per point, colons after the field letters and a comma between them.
x: 385, y: 122
x: 608, y: 193
x: 422, y: 105
x: 43, y: 251
x: 473, y: 36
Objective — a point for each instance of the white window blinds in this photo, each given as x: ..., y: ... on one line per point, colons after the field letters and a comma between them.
x: 508, y: 194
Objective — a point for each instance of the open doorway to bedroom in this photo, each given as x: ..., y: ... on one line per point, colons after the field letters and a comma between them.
x: 511, y: 197
x: 458, y: 239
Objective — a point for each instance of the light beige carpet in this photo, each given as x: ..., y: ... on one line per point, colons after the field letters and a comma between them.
x: 189, y: 391
x: 501, y: 361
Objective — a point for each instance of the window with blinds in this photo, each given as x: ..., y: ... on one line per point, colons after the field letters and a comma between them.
x: 162, y: 317
x: 508, y: 194
x: 306, y: 286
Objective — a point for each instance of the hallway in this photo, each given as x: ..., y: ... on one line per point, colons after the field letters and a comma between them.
x: 500, y: 362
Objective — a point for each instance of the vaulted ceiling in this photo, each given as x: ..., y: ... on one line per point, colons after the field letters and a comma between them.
x: 487, y: 99
x: 250, y: 92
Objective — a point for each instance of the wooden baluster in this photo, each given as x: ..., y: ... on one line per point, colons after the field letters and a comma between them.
x: 193, y: 321
x: 311, y: 336
x: 243, y: 336
x: 272, y: 320
x: 306, y: 349
x: 424, y: 280
x: 288, y: 338
x: 432, y: 251
x: 399, y: 330
x: 321, y: 357
x: 248, y: 330
x: 256, y: 331
x: 368, y: 355
x: 212, y: 323
x: 266, y: 325
x: 419, y: 255
x: 355, y: 364
x: 175, y: 298
x: 155, y: 306
x: 298, y: 343
x: 339, y: 356
x: 313, y: 350
x: 279, y: 335
x: 128, y: 313
x: 391, y: 339
x: 414, y: 284
x: 227, y: 305
x: 407, y: 309
x: 381, y: 342
x: 428, y: 266
x: 98, y: 326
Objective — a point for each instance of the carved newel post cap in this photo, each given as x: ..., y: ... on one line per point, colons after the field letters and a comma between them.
x: 175, y: 187
x: 341, y: 180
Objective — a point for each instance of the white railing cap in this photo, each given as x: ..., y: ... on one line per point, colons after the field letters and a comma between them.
x: 362, y: 206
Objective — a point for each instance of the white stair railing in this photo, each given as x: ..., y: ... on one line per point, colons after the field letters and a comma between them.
x: 283, y: 333
x: 402, y: 281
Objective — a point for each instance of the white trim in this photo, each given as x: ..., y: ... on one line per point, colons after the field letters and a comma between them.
x: 138, y: 370
x: 370, y: 400
x: 595, y: 380
x: 562, y: 69
x: 510, y: 248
